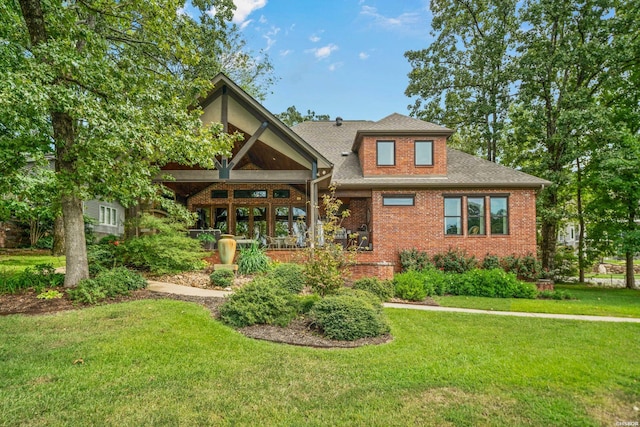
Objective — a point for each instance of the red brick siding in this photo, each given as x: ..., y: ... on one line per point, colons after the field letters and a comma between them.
x: 405, y: 156
x: 395, y: 228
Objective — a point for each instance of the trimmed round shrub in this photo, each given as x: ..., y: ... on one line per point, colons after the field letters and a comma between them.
x: 348, y: 318
x: 383, y: 289
x: 288, y: 276
x: 260, y: 302
x: 370, y: 297
x: 223, y: 277
x: 410, y: 286
x: 306, y: 302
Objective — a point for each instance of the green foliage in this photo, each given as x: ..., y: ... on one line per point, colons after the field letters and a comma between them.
x: 107, y: 284
x: 558, y: 294
x: 454, y: 261
x: 166, y: 250
x: 491, y: 261
x: 292, y: 116
x: 38, y: 278
x: 222, y: 277
x: 50, y: 294
x: 325, y: 269
x: 410, y: 286
x: 494, y: 283
x: 289, y: 276
x: 253, y: 260
x: 349, y: 317
x: 413, y: 259
x: 306, y: 302
x: 260, y: 302
x: 566, y: 262
x: 104, y: 255
x: 383, y: 289
x: 525, y: 267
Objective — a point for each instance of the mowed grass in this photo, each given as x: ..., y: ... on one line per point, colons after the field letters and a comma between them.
x: 167, y: 362
x: 588, y: 300
x: 13, y: 263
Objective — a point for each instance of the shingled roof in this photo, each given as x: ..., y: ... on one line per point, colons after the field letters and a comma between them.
x: 339, y: 145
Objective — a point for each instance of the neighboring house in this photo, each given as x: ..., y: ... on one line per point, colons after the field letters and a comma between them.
x: 403, y: 186
x: 568, y: 235
x: 108, y: 217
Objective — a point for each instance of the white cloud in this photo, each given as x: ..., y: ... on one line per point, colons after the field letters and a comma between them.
x: 270, y: 37
x: 286, y: 52
x: 244, y: 24
x: 324, y: 51
x: 244, y: 8
x: 262, y: 19
x: 314, y: 38
x: 335, y: 66
x: 389, y: 22
x: 363, y: 55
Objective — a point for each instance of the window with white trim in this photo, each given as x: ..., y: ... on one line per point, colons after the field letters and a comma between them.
x: 108, y: 216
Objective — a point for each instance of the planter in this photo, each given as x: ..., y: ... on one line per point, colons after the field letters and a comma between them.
x: 544, y: 284
x: 227, y: 248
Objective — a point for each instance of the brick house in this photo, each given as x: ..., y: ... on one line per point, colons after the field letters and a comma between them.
x: 403, y: 186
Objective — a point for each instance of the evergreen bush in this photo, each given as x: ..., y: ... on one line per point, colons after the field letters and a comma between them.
x: 410, y: 286
x: 348, y: 317
x: 289, y: 276
x: 222, y: 278
x: 383, y: 289
x: 413, y: 259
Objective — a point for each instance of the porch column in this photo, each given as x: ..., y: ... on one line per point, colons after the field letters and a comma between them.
x: 313, y: 215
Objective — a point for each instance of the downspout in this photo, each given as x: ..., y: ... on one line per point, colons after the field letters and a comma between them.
x: 313, y: 218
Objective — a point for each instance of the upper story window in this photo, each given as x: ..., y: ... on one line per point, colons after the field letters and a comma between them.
x: 281, y: 194
x: 453, y: 215
x: 499, y: 215
x: 219, y: 194
x: 249, y: 194
x: 386, y: 153
x: 424, y: 153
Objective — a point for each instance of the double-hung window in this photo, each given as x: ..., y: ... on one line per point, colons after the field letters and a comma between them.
x: 499, y: 215
x: 453, y: 215
x: 475, y: 215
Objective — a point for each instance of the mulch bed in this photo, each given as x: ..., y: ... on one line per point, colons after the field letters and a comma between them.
x: 299, y: 332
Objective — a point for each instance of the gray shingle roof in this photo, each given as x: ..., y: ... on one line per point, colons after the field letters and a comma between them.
x: 463, y: 170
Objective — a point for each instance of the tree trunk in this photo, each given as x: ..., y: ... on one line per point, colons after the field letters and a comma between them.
x: 631, y: 279
x: 581, y: 221
x: 58, y: 237
x: 548, y: 244
x: 76, y: 248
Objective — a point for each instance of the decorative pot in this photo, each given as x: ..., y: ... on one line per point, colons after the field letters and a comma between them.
x: 226, y: 248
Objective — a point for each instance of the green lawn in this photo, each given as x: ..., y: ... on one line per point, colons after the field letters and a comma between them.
x: 167, y: 362
x: 589, y: 300
x: 13, y: 262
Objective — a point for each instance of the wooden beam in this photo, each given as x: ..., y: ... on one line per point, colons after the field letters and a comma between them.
x: 247, y: 146
x: 248, y: 176
x: 224, y: 114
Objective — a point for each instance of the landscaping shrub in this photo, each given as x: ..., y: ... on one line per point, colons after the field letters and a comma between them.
x: 107, y: 284
x: 260, y: 302
x: 494, y: 283
x: 252, y: 260
x: 289, y: 276
x: 103, y: 256
x: 223, y: 277
x: 372, y: 298
x: 526, y: 267
x: 413, y: 259
x: 348, y: 317
x: 167, y: 251
x: 410, y: 286
x: 437, y: 282
x: 566, y: 262
x: 324, y: 271
x: 37, y: 278
x: 455, y: 261
x: 491, y: 261
x: 383, y: 289
x: 306, y: 302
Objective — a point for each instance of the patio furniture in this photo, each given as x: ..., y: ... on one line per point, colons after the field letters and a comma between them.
x: 290, y: 241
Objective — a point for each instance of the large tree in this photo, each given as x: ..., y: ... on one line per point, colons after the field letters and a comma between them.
x: 292, y: 116
x: 464, y: 78
x: 105, y: 85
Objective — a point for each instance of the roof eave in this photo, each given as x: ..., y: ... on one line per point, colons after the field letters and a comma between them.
x: 385, y: 132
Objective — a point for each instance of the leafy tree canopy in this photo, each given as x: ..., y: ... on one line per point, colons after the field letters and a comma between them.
x: 292, y: 116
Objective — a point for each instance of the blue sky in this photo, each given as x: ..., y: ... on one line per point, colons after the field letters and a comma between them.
x: 338, y: 57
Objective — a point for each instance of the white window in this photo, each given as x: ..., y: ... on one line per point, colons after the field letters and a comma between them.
x: 108, y: 216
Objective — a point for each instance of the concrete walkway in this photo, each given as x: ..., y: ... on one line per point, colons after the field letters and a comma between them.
x: 188, y: 290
